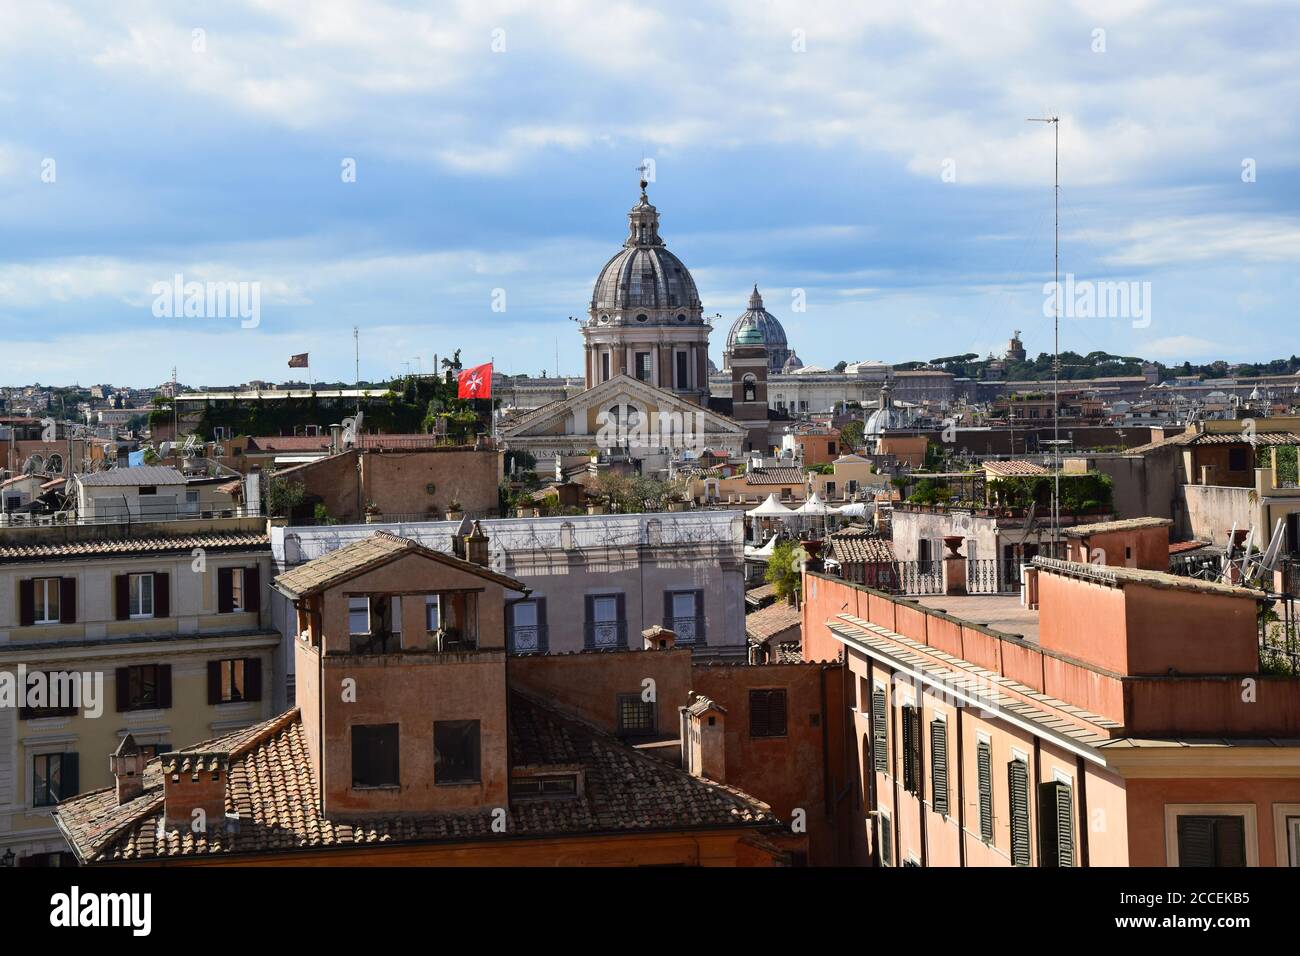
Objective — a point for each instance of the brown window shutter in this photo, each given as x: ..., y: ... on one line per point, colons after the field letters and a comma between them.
x: 253, y: 678
x: 26, y: 603
x: 214, y: 682
x: 699, y: 617
x: 164, y: 686
x: 543, y: 635
x: 622, y: 620
x: 162, y: 598
x: 759, y: 715
x: 225, y: 591
x: 68, y: 600
x: 123, y: 681
x: 122, y: 597
x: 253, y: 589
x: 668, y: 610
x: 776, y: 711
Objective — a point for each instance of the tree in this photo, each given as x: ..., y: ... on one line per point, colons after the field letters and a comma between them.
x: 841, y: 365
x: 852, y: 434
x: 283, y: 495
x: 785, y: 569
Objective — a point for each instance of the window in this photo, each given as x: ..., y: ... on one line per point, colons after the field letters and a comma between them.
x: 750, y: 388
x: 1212, y: 840
x: 238, y: 590
x: 886, y: 841
x: 528, y: 626
x: 984, y: 772
x: 456, y: 752
x: 55, y: 693
x: 1236, y: 459
x: 54, y: 778
x: 235, y: 680
x: 606, y: 625
x: 147, y: 490
x: 458, y: 620
x: 636, y: 717
x: 879, y: 731
x: 374, y: 756
x: 358, y: 615
x: 912, y: 750
x: 684, y: 615
x: 144, y: 687
x: 681, y: 381
x: 153, y: 750
x: 767, y: 713
x: 47, y: 600
x: 1018, y: 797
x: 141, y: 604
x: 1056, y: 824
x: 643, y: 366
x: 432, y: 613
x: 604, y: 366
x: 939, y: 766
x: 560, y: 785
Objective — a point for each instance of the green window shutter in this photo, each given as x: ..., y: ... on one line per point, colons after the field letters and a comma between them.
x: 909, y: 784
x: 1018, y: 795
x: 1056, y: 824
x: 984, y: 770
x: 879, y: 731
x: 939, y: 766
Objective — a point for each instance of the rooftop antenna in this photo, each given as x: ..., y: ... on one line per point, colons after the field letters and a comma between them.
x: 1055, y: 122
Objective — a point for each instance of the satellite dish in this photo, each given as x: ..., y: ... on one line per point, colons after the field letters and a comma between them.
x: 1269, y: 561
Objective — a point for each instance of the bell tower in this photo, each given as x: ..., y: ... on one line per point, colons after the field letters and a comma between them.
x: 749, y: 388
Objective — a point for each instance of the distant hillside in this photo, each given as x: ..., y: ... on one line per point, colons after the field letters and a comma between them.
x: 1097, y: 365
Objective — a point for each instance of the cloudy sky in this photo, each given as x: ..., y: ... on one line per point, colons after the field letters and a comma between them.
x: 874, y: 155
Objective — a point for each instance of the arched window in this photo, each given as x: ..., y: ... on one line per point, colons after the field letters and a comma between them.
x: 751, y: 388
x: 55, y: 465
x: 642, y: 318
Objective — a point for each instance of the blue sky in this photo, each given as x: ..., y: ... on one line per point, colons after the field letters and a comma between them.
x: 798, y: 145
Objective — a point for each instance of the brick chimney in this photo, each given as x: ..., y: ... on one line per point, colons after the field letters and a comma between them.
x: 704, y: 735
x: 195, y: 782
x: 476, y: 546
x: 658, y: 638
x: 127, y: 766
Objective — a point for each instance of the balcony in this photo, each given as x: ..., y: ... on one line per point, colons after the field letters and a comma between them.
x: 605, y: 636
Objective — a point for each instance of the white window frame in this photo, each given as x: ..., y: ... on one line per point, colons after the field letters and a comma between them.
x: 1288, y: 853
x: 136, y: 596
x: 1175, y: 810
x: 41, y: 595
x: 433, y: 603
x: 354, y: 609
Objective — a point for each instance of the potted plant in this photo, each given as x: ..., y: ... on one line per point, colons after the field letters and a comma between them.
x: 373, y: 513
x: 454, y: 511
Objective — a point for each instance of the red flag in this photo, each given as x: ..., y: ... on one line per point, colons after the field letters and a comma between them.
x: 475, y: 382
x: 298, y: 361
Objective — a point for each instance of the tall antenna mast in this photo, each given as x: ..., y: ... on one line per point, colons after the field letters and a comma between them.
x: 1055, y: 122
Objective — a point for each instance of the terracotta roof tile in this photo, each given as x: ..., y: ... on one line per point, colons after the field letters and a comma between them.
x: 860, y: 546
x: 775, y: 620
x: 126, y: 547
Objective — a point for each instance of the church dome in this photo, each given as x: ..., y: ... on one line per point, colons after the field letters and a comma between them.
x: 643, y: 281
x: 768, y: 326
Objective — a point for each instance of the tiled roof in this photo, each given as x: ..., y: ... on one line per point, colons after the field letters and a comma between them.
x: 1180, y: 439
x: 132, y: 477
x: 1180, y: 547
x: 1115, y: 576
x: 860, y: 546
x: 782, y: 475
x: 1124, y: 524
x: 1241, y: 438
x: 378, y: 549
x: 289, y: 443
x: 272, y: 790
x: 775, y: 619
x: 1013, y: 469
x: 127, y: 547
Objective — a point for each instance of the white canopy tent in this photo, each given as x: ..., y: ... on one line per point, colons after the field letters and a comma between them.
x: 771, y: 508
x: 815, y: 506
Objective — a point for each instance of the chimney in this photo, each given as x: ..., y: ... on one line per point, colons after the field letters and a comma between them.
x: 127, y: 766
x: 458, y: 539
x: 336, y: 439
x: 194, y: 790
x: 658, y: 638
x: 476, y: 546
x: 704, y: 734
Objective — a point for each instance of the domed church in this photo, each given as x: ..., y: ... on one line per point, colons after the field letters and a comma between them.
x: 646, y: 319
x: 769, y: 328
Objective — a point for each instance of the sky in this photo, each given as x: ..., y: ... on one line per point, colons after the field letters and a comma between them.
x: 451, y: 176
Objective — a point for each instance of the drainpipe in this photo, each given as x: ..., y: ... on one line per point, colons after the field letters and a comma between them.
x: 961, y: 793
x: 1035, y: 817
x: 1081, y: 774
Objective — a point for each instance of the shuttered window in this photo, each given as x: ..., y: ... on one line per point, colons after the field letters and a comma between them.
x: 879, y: 731
x: 912, y: 750
x: 1018, y: 797
x: 886, y: 840
x: 1056, y: 824
x: 939, y: 766
x: 1211, y: 841
x: 767, y: 713
x: 984, y: 770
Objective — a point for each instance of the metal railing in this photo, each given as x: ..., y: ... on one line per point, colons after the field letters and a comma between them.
x: 605, y: 635
x: 689, y: 630
x: 918, y: 577
x: 529, y: 639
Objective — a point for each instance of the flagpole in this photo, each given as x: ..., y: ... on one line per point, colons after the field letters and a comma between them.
x: 492, y: 400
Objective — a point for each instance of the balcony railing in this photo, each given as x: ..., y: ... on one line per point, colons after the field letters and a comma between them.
x: 605, y: 635
x: 529, y: 639
x: 689, y: 630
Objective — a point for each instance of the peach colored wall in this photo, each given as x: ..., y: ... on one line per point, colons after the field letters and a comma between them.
x: 1191, y: 633
x: 1214, y: 706
x: 1086, y: 688
x: 307, y: 692
x: 1082, y: 619
x: 1141, y: 548
x: 1147, y: 800
x: 414, y: 691
x: 588, y: 684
